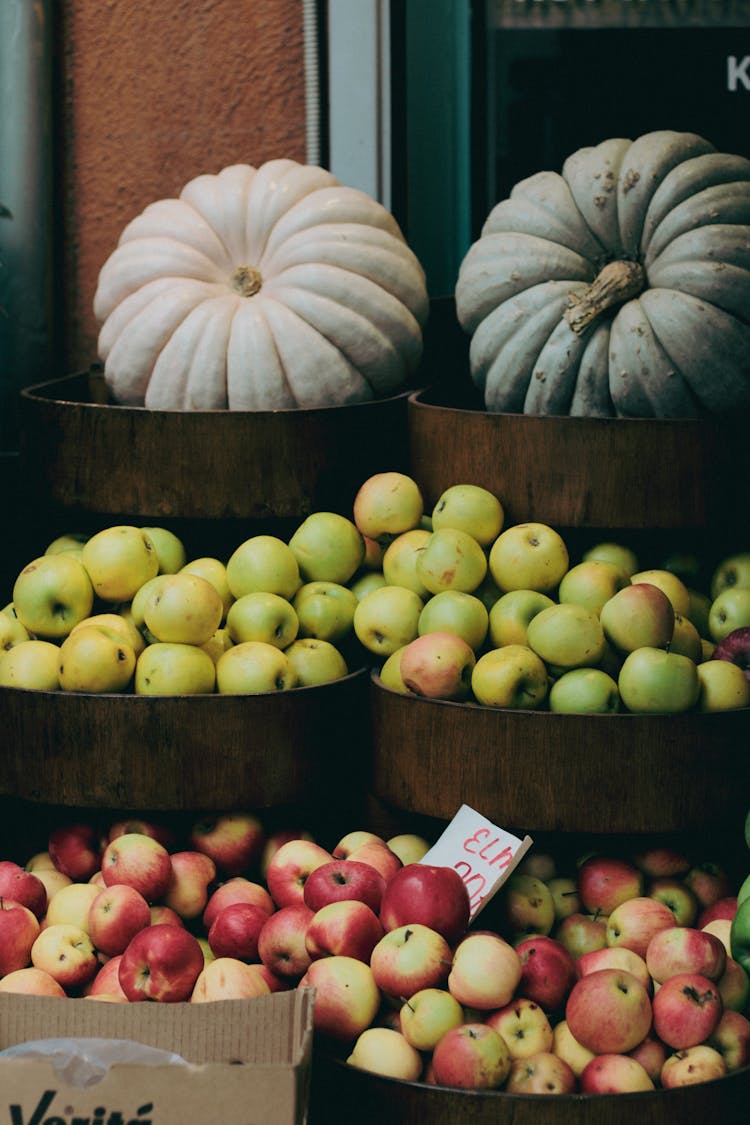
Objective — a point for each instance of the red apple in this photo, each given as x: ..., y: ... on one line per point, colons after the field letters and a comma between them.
x: 140, y: 861
x: 692, y: 1065
x: 229, y: 978
x: 734, y: 987
x: 347, y: 997
x: 237, y: 889
x: 616, y: 957
x: 353, y: 840
x: 235, y: 931
x: 614, y: 1074
x: 290, y: 868
x: 722, y: 908
x: 410, y: 958
x: 543, y: 1073
x: 735, y: 647
x: 604, y: 882
x: 438, y: 665
x: 22, y: 886
x: 106, y: 982
x: 190, y: 878
x: 158, y: 831
x: 633, y: 923
x: 19, y: 929
x: 731, y: 1038
x: 274, y: 842
x: 233, y: 840
x: 650, y: 1053
x: 608, y: 1011
x: 75, y: 849
x: 115, y: 916
x: 581, y: 933
x: 687, y: 1008
x: 472, y: 1056
x: 161, y: 913
x: 548, y: 971
x: 344, y: 879
x: 281, y: 942
x: 378, y: 855
x: 348, y: 928
x: 661, y: 861
x: 429, y: 894
x: 682, y: 949
x: 709, y: 882
x: 161, y: 963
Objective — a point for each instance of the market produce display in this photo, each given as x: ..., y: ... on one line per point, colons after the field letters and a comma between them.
x: 260, y: 289
x: 618, y: 287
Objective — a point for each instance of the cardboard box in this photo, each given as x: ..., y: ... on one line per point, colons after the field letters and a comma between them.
x: 250, y: 1062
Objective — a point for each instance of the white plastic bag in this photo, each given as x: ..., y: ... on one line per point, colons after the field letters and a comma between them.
x: 84, y: 1062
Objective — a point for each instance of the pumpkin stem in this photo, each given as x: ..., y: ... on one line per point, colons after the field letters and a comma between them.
x: 246, y: 280
x: 617, y: 282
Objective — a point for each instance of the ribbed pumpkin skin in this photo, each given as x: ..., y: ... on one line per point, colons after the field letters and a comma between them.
x: 260, y: 289
x: 673, y: 214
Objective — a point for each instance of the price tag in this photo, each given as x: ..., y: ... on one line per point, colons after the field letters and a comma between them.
x: 483, y: 854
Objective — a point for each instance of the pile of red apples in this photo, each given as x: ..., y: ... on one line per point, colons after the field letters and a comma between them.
x: 616, y: 978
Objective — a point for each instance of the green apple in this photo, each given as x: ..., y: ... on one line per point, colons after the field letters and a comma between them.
x: 263, y: 562
x: 512, y: 676
x: 11, y: 631
x: 71, y: 543
x: 732, y: 571
x: 170, y: 549
x: 387, y: 619
x: 585, y: 691
x: 567, y: 635
x: 653, y: 681
x: 116, y: 623
x: 215, y: 572
x: 670, y: 583
x: 95, y: 659
x: 621, y: 556
x: 510, y: 616
x: 365, y: 582
x: 33, y: 665
x: 390, y: 672
x: 51, y: 595
x: 400, y: 560
x: 528, y: 556
x: 637, y: 616
x: 451, y: 560
x: 739, y: 935
x: 386, y: 505
x: 591, y: 584
x: 328, y: 547
x: 325, y: 610
x: 453, y: 611
x: 165, y: 668
x: 686, y: 639
x: 744, y: 891
x: 315, y: 661
x: 488, y: 591
x: 119, y: 560
x: 253, y: 667
x: 184, y: 609
x: 700, y: 607
x: 263, y: 617
x: 724, y: 686
x: 471, y: 508
x: 730, y: 610
x: 427, y: 1015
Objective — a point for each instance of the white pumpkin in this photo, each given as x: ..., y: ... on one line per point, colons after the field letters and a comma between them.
x: 620, y: 287
x: 258, y: 289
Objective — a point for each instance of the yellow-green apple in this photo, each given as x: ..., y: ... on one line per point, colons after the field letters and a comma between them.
x: 161, y: 963
x: 11, y: 631
x: 658, y: 860
x: 524, y: 1025
x: 564, y: 891
x: 734, y: 987
x: 488, y: 591
x: 729, y: 610
x: 228, y: 978
x: 619, y: 554
x: 233, y: 840
x: 23, y: 887
x: 735, y: 648
x: 671, y: 584
x: 528, y: 556
x: 637, y: 616
x: 69, y: 543
x: 70, y: 906
x: 686, y: 1010
x: 685, y: 949
x: 453, y: 611
x: 66, y: 953
x: 190, y: 879
x: 140, y: 599
x: 363, y: 583
x: 543, y: 1073
x: 709, y: 881
x: 263, y: 562
x: 692, y: 1065
x: 548, y: 971
x: 32, y: 982
x: 585, y: 691
x: 616, y: 957
x: 353, y: 840
x: 512, y: 676
x: 686, y: 639
x: 347, y: 997
x: 235, y: 931
x: 390, y: 672
x: 31, y: 665
x: 675, y: 894
x: 341, y: 879
x: 140, y: 861
x: 581, y: 933
x: 566, y: 1047
x: 606, y: 881
x: 438, y: 665
x: 526, y: 904
x: 95, y: 659
x: 328, y: 547
x: 567, y: 635
x: 451, y: 560
x: 615, y: 1073
x: 634, y: 922
x: 472, y: 1056
x: 184, y: 609
x: 215, y: 572
x: 400, y: 561
x: 325, y: 610
x: 473, y: 509
x: 160, y: 830
x: 106, y: 981
x: 347, y: 928
x: 119, y: 560
x: 485, y: 972
x: 387, y: 504
x: 261, y: 616
x: 731, y: 571
x: 53, y: 880
x: 409, y: 958
x: 591, y: 584
x: 426, y: 1016
x: 170, y: 550
x: 377, y: 854
x: 51, y: 595
x: 430, y: 894
x: 236, y: 889
x: 654, y: 681
x: 608, y: 1011
x: 217, y: 644
x: 281, y: 942
x: 387, y: 619
x: 410, y: 847
x: 731, y: 1038
x: 165, y: 668
x: 116, y: 915
x: 117, y: 623
x: 722, y: 929
x: 315, y: 662
x: 384, y: 1050
x: 290, y: 867
x: 252, y: 667
x: 19, y: 929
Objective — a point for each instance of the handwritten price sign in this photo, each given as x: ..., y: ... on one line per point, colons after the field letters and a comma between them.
x: 483, y: 854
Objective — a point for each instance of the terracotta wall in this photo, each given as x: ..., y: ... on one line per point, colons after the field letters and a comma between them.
x: 154, y: 93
